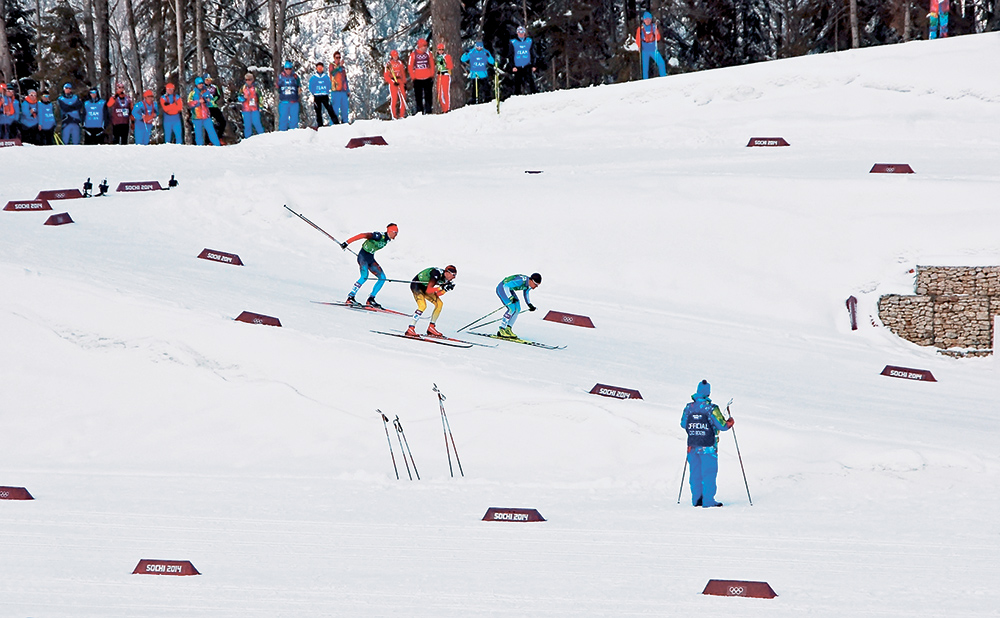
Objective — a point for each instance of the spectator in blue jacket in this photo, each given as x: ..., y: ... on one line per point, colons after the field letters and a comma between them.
x: 46, y: 121
x: 479, y: 60
x: 288, y: 98
x: 10, y: 110
x: 29, y: 118
x: 703, y: 421
x: 70, y: 107
x: 94, y: 118
x: 522, y: 52
x: 145, y: 112
x: 320, y: 86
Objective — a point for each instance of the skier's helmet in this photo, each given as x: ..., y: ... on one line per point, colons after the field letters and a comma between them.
x: 536, y: 278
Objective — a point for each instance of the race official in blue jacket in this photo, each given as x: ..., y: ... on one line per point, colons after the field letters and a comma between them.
x: 320, y: 86
x: 523, y: 61
x: 702, y: 420
x: 70, y: 107
x: 288, y: 98
x: 479, y: 60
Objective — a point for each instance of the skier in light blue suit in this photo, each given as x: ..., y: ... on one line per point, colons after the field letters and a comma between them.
x: 506, y: 291
x: 479, y: 60
x: 647, y: 37
x: 703, y: 421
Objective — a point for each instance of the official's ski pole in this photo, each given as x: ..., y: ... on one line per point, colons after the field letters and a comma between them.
x: 444, y: 430
x: 482, y: 318
x: 733, y: 429
x: 683, y: 474
x: 399, y: 430
x: 399, y: 426
x: 385, y: 423
x: 316, y: 226
x: 444, y: 416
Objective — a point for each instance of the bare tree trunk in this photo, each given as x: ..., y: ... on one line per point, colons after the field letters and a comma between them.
x: 179, y: 12
x: 39, y: 57
x: 199, y: 33
x: 102, y: 32
x: 134, y: 51
x: 907, y: 19
x: 159, y: 49
x: 446, y: 18
x: 88, y: 29
x: 524, y: 11
x: 272, y: 32
x: 855, y: 35
x: 6, y: 60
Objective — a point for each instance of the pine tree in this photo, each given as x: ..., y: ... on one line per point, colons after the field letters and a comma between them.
x: 64, y: 45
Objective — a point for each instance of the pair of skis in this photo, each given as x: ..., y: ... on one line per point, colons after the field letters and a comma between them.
x: 407, y: 454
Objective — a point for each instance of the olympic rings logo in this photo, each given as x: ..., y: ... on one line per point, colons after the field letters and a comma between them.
x: 568, y: 319
x: 736, y: 591
x: 4, y: 494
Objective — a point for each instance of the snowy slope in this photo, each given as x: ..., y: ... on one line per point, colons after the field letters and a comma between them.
x: 149, y: 424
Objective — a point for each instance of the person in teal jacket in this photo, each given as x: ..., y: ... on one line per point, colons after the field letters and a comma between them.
x: 10, y: 110
x: 29, y: 118
x: 46, y: 121
x: 703, y: 421
x: 506, y: 290
x: 94, y: 116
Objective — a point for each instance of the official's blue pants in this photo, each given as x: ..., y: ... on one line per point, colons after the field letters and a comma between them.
x: 288, y: 115
x: 340, y: 100
x: 205, y: 126
x: 704, y: 469
x: 251, y: 123
x: 143, y: 132
x: 173, y: 133
x: 71, y: 133
x: 656, y: 57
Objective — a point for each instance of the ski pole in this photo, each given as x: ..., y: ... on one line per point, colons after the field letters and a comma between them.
x: 444, y: 430
x: 399, y: 429
x: 316, y: 226
x: 399, y: 425
x: 745, y: 484
x: 680, y: 490
x: 385, y: 423
x: 444, y: 416
x: 482, y: 318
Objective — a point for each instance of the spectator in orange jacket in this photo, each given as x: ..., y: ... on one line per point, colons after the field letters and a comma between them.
x: 443, y: 67
x: 395, y: 76
x: 422, y: 74
x: 172, y: 106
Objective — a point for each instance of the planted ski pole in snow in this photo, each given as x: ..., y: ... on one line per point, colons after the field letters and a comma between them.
x: 385, y: 424
x: 315, y: 226
x: 399, y: 432
x: 733, y: 429
x: 446, y: 428
x: 680, y: 490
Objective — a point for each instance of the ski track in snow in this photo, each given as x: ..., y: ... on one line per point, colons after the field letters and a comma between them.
x: 147, y: 423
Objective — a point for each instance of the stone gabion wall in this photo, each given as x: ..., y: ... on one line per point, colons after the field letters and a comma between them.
x: 953, y: 309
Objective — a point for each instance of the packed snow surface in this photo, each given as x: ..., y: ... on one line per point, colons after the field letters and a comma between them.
x: 148, y: 423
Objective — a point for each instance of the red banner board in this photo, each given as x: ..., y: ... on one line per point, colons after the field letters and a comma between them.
x: 14, y: 493
x: 732, y: 588
x: 130, y: 187
x: 256, y: 318
x: 358, y: 142
x: 519, y: 515
x: 891, y: 168
x: 921, y: 375
x: 613, y: 391
x: 5, y: 143
x: 59, y: 194
x: 569, y: 318
x: 27, y: 205
x: 165, y: 567
x: 61, y: 219
x: 767, y: 142
x: 220, y: 256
